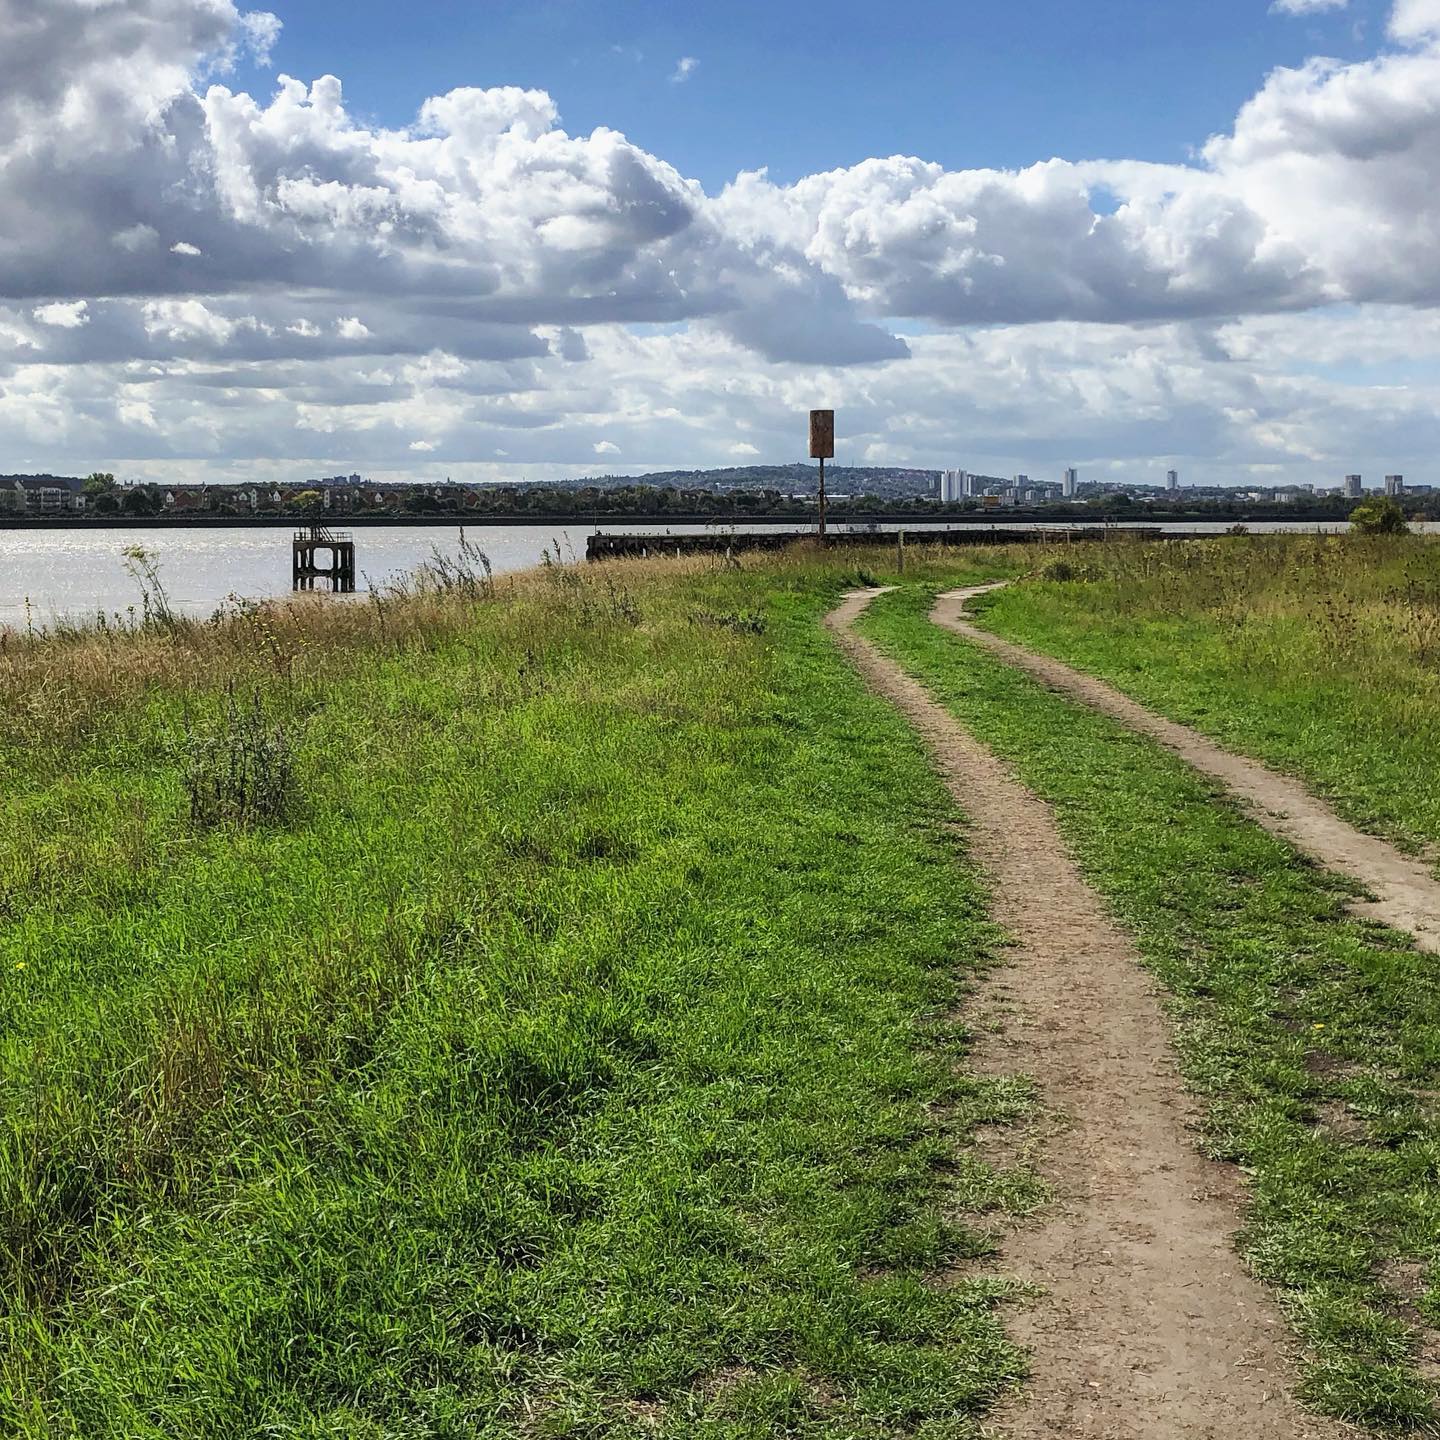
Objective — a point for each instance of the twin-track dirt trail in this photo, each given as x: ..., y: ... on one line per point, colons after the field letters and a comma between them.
x: 1148, y: 1327
x: 1407, y: 895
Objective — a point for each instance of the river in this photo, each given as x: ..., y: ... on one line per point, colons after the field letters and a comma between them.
x: 49, y: 574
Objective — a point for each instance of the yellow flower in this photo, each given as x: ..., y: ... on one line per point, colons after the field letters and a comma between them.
x: 1320, y: 1027
x: 19, y: 964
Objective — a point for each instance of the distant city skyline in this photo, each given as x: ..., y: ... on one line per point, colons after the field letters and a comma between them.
x: 521, y: 242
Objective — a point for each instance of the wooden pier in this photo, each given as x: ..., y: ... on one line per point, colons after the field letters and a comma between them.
x: 618, y: 546
x: 338, y: 574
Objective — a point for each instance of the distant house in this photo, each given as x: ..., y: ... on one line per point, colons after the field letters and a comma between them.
x: 40, y: 495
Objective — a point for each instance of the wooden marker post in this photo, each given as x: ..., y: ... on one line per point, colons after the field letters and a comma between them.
x: 822, y: 448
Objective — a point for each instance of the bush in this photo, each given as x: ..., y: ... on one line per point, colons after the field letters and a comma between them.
x: 1060, y: 569
x: 1378, y: 516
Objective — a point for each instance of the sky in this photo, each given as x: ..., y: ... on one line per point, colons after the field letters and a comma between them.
x: 498, y: 240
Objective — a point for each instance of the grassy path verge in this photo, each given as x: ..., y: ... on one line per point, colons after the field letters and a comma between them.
x: 571, y: 1057
x: 1142, y: 1316
x: 1403, y: 892
x: 1312, y: 1037
x: 1317, y: 656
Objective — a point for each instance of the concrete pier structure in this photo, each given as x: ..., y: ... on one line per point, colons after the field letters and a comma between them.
x: 336, y: 573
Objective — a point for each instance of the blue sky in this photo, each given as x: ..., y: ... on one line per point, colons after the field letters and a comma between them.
x: 801, y: 86
x: 1122, y: 234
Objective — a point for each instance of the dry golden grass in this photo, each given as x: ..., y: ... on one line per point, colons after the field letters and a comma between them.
x: 58, y: 684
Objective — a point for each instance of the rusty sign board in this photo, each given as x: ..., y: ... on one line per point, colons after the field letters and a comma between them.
x: 822, y: 434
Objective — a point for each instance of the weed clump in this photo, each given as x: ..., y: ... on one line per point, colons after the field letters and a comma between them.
x: 738, y: 622
x: 143, y: 567
x: 468, y: 572
x: 1060, y: 570
x: 241, y: 770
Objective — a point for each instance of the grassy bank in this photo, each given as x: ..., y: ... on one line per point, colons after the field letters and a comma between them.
x: 564, y: 1049
x: 1314, y: 1039
x: 1317, y: 655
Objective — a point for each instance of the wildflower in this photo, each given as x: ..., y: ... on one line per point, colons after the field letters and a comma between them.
x: 19, y: 964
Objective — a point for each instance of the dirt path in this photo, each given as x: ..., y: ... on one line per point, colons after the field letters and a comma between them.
x: 1149, y: 1326
x: 1407, y: 895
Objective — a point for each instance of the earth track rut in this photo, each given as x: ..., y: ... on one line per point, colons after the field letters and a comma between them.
x: 1407, y: 895
x: 1148, y: 1325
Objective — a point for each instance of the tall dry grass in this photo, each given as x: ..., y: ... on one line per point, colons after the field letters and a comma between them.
x: 58, y: 684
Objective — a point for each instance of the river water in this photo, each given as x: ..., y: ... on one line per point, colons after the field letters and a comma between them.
x: 48, y: 574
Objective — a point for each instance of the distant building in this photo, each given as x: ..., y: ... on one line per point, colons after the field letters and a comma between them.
x: 40, y: 495
x: 1354, y: 486
x: 1071, y: 483
x: 1395, y: 485
x: 1172, y: 479
x: 958, y: 485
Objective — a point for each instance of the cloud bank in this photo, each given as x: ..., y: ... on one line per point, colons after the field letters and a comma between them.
x: 187, y: 270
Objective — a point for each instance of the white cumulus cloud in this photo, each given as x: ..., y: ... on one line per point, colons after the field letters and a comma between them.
x: 63, y: 314
x: 523, y: 287
x: 1413, y: 20
x: 1307, y: 7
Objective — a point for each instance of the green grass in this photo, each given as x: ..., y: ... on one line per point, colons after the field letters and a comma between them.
x: 1320, y: 656
x: 574, y: 1054
x: 1314, y: 1038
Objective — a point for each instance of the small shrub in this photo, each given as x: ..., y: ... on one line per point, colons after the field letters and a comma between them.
x: 1379, y: 515
x: 1062, y: 569
x: 242, y: 771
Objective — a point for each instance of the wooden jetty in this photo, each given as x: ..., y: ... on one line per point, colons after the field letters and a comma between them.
x: 617, y: 546
x: 337, y: 573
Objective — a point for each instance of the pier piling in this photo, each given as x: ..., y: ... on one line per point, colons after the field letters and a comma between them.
x: 337, y: 574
